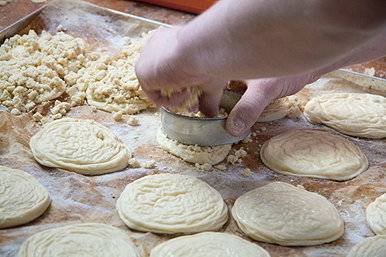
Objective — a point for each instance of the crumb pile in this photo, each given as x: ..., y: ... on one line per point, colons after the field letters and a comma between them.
x: 35, y: 69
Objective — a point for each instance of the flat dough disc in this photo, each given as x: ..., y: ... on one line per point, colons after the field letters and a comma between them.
x: 208, y: 244
x: 354, y: 114
x: 22, y: 197
x: 171, y: 203
x: 370, y: 247
x: 376, y: 215
x: 83, y: 146
x: 283, y: 214
x: 193, y: 153
x: 87, y: 239
x: 313, y: 153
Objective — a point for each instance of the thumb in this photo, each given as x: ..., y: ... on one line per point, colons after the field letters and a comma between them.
x: 259, y: 94
x: 248, y: 109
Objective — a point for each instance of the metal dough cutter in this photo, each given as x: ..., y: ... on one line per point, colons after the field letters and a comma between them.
x: 201, y: 131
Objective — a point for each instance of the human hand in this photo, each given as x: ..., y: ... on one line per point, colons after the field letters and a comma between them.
x: 164, y: 65
x: 260, y: 93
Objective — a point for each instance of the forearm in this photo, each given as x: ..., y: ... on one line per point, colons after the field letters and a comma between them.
x: 371, y: 50
x: 248, y: 38
x: 273, y: 87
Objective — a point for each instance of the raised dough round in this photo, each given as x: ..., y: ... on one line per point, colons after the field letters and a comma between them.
x: 374, y: 246
x: 87, y: 239
x: 193, y: 153
x: 171, y: 203
x: 283, y: 214
x: 22, y: 197
x: 354, y: 114
x: 83, y: 146
x: 376, y: 215
x: 313, y: 153
x: 208, y: 244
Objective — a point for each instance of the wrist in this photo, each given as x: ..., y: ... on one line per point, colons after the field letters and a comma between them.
x: 204, y: 42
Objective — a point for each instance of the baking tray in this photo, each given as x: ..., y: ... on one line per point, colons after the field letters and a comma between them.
x: 371, y: 83
x: 79, y: 199
x: 193, y: 6
x: 18, y: 26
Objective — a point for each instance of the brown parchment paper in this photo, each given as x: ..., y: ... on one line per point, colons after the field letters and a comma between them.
x: 78, y: 199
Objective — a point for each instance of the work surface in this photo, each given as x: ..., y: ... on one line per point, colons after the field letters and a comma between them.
x: 79, y: 199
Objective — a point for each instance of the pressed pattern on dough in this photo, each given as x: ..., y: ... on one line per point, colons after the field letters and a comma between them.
x: 171, y: 203
x: 353, y: 114
x: 313, y: 153
x: 22, y: 197
x: 283, y: 214
x: 83, y: 146
x: 210, y: 243
x: 86, y: 239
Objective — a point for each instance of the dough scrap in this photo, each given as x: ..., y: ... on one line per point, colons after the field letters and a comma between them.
x: 374, y: 246
x: 193, y: 153
x: 283, y: 214
x: 35, y: 69
x: 353, y: 114
x: 83, y: 146
x: 171, y: 203
x: 112, y: 87
x: 22, y: 197
x: 87, y: 239
x: 209, y: 244
x: 111, y: 84
x: 313, y: 153
x: 376, y: 215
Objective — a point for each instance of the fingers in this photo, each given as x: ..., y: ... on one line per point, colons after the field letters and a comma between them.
x: 176, y: 99
x: 244, y: 115
x: 259, y: 94
x: 209, y: 101
x: 209, y: 105
x: 162, y: 66
x: 157, y: 67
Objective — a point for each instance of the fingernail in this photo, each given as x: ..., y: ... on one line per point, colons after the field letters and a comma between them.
x: 237, y: 127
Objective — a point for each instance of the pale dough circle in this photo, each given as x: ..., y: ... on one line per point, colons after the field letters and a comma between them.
x: 354, y: 114
x: 376, y: 215
x: 87, y: 239
x: 171, y: 203
x: 208, y: 244
x: 83, y: 146
x: 22, y: 197
x: 374, y: 246
x: 193, y: 153
x: 283, y: 214
x: 313, y: 153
